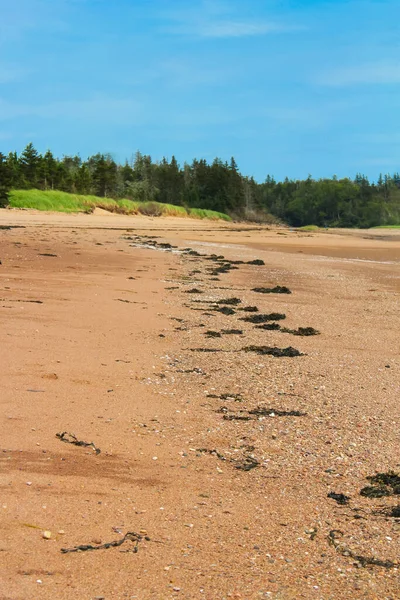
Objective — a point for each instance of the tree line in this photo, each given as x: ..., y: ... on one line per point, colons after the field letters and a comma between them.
x: 328, y: 202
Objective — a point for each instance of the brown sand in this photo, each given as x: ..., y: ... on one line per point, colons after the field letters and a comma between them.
x: 90, y: 360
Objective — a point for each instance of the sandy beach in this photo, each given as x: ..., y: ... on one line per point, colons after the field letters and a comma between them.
x: 217, y: 455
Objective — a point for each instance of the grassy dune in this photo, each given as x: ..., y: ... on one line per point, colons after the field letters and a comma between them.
x: 57, y: 201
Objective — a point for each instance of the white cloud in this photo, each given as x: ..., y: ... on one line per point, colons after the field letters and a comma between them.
x: 220, y: 20
x: 383, y: 73
x: 235, y: 29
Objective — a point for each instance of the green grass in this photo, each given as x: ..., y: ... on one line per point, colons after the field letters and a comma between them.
x: 309, y: 228
x: 56, y: 201
x: 386, y: 227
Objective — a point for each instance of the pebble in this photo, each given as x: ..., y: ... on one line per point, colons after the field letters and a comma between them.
x: 46, y: 535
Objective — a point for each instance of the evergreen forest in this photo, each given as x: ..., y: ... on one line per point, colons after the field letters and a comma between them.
x: 217, y: 186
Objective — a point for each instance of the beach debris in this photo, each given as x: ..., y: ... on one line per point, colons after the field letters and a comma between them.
x: 273, y: 351
x: 17, y: 300
x: 269, y: 326
x: 70, y: 438
x: 48, y: 254
x: 384, y: 484
x: 228, y: 396
x: 262, y: 411
x: 225, y: 310
x: 230, y: 301
x: 264, y: 318
x: 212, y: 334
x: 252, y: 309
x: 278, y: 289
x: 339, y: 498
x: 257, y: 261
x: 247, y: 463
x: 194, y: 291
x: 232, y: 331
x: 334, y: 537
x: 205, y: 350
x: 129, y: 536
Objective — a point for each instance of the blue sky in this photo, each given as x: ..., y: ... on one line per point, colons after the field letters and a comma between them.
x: 288, y: 87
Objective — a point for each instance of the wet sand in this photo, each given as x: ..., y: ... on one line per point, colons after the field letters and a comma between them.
x: 100, y: 338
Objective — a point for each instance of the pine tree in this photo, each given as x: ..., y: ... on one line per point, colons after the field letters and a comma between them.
x: 30, y: 161
x: 5, y: 181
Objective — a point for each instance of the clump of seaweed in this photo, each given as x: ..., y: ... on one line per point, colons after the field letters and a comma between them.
x: 339, y: 498
x: 212, y: 334
x: 301, y: 331
x: 262, y: 411
x: 264, y: 318
x: 229, y: 301
x: 273, y: 351
x: 232, y: 331
x: 194, y: 291
x: 257, y: 261
x: 225, y: 310
x: 269, y: 326
x: 384, y: 484
x: 251, y: 309
x: 278, y: 289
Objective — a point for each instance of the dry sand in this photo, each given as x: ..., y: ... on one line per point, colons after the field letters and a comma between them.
x: 108, y: 354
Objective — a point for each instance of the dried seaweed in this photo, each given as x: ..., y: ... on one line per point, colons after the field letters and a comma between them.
x: 225, y: 310
x: 264, y: 318
x: 212, y: 334
x: 301, y: 331
x: 365, y: 561
x: 261, y: 411
x: 269, y: 326
x: 70, y: 438
x: 194, y: 291
x: 257, y: 261
x: 230, y: 301
x: 205, y: 350
x: 386, y: 484
x: 278, y: 289
x: 252, y: 309
x: 339, y: 498
x: 273, y: 351
x: 130, y: 536
x: 232, y: 331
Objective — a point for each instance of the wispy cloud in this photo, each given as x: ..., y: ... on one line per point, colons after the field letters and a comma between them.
x: 378, y: 73
x: 235, y: 29
x: 221, y: 20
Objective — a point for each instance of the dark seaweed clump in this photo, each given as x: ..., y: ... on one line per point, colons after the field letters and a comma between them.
x: 264, y: 318
x: 269, y: 326
x: 225, y: 310
x: 383, y: 484
x: 230, y: 301
x: 224, y: 268
x: 261, y: 411
x: 194, y: 291
x: 339, y: 498
x: 302, y: 331
x: 257, y: 261
x: 273, y: 351
x: 232, y: 331
x: 212, y: 334
x: 278, y: 289
x: 249, y: 309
